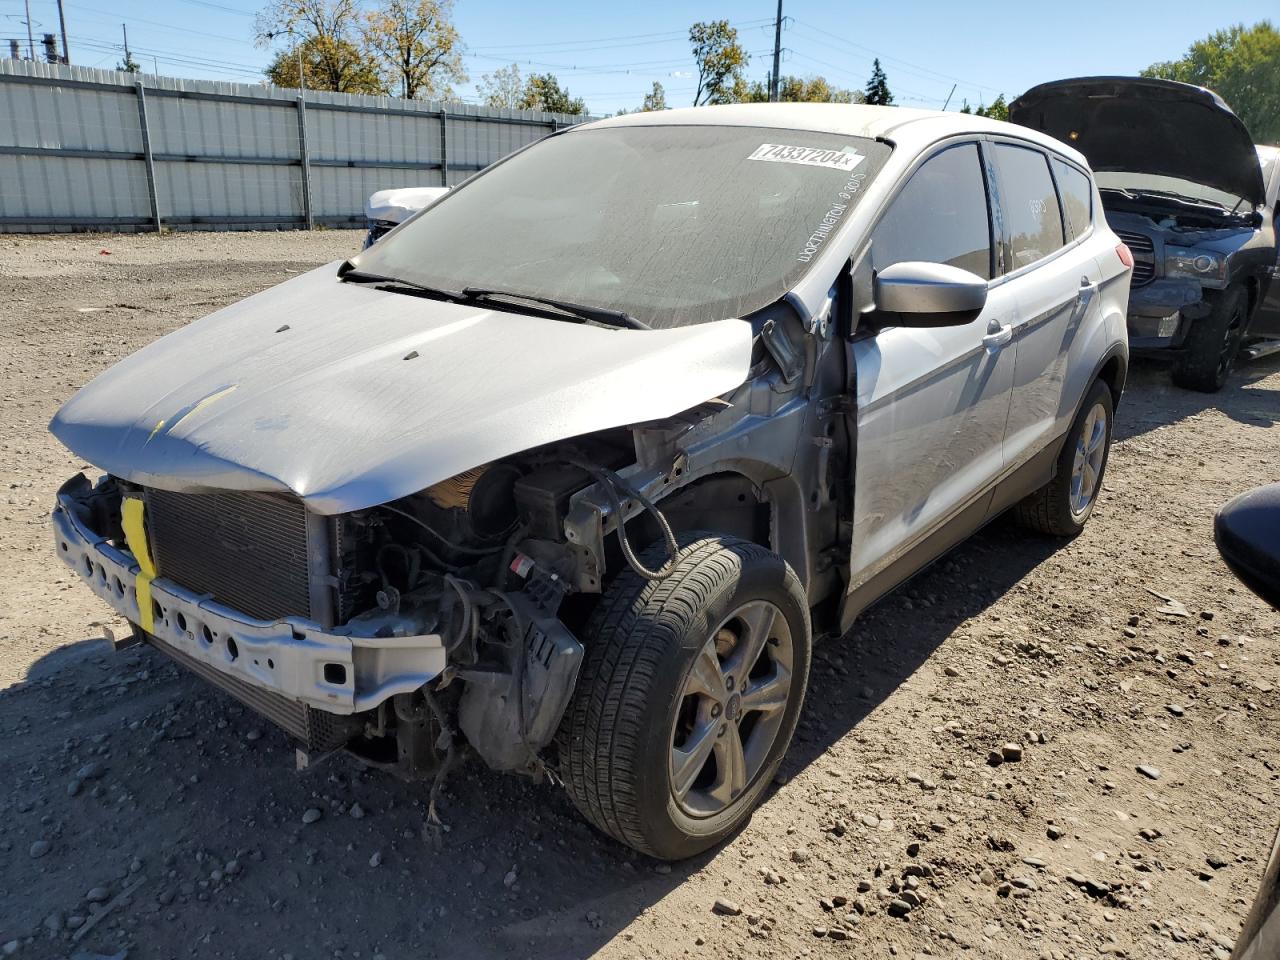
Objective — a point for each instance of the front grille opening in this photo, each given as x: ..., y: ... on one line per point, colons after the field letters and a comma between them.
x: 245, y: 550
x: 1144, y: 256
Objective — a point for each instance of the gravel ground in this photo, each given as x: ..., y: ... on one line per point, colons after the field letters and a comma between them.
x: 1124, y: 684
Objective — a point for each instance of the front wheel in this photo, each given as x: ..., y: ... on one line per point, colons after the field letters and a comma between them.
x: 1212, y: 344
x: 1062, y: 506
x: 688, y: 697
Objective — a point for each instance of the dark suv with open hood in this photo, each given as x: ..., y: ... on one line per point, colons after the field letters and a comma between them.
x: 1183, y: 185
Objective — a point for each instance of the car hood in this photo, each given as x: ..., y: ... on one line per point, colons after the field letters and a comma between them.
x: 350, y: 396
x: 1145, y: 125
x: 400, y: 204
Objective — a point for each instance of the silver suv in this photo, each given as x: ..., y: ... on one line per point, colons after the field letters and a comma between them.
x: 563, y: 467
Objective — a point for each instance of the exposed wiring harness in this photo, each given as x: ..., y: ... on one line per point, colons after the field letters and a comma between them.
x: 470, y: 628
x: 449, y: 735
x: 615, y: 488
x: 456, y: 547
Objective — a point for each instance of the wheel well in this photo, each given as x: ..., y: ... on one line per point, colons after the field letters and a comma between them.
x: 727, y: 503
x: 1113, y: 375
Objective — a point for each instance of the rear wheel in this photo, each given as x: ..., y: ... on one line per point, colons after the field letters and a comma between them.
x: 1063, y: 505
x: 688, y: 697
x: 1212, y: 344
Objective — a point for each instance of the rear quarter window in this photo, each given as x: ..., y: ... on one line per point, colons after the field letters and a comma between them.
x: 1029, y: 203
x: 1077, y: 197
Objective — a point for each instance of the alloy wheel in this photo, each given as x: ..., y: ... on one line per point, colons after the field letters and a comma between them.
x: 1086, y: 469
x: 731, y: 708
x: 1230, y: 344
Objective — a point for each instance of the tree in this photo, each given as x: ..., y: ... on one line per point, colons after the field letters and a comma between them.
x: 327, y: 64
x: 416, y: 45
x: 128, y: 64
x: 999, y: 109
x: 542, y: 91
x: 506, y: 88
x: 802, y: 90
x: 656, y: 99
x: 720, y: 59
x: 329, y: 33
x: 877, y: 91
x: 503, y: 88
x: 1242, y: 65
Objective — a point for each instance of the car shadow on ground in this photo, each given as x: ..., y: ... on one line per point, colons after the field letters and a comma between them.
x: 1152, y: 401
x: 141, y: 778
x: 191, y: 782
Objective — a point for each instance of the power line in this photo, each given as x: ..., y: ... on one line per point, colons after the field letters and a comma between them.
x: 589, y: 69
x: 155, y: 23
x: 673, y: 34
x: 210, y: 5
x: 915, y: 95
x: 924, y: 73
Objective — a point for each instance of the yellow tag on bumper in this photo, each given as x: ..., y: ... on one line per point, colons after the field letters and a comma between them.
x: 132, y: 514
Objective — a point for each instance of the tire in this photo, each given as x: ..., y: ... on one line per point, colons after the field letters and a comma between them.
x: 1056, y: 509
x: 647, y: 645
x: 1212, y: 344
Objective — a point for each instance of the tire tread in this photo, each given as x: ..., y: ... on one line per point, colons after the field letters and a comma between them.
x: 637, y: 624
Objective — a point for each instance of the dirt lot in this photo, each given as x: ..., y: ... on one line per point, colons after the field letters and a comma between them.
x: 142, y: 812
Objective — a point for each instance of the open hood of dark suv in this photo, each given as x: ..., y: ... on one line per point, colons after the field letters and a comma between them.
x: 1144, y: 125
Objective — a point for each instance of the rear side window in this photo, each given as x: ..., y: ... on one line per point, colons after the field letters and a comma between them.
x: 1077, y: 197
x: 940, y: 216
x: 1029, y: 204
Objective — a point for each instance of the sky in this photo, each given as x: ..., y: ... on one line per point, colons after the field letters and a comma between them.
x: 610, y: 55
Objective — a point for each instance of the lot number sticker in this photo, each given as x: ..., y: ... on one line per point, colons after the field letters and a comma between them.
x: 845, y: 159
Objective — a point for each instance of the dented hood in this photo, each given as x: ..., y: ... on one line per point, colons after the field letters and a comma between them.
x: 1147, y: 125
x: 351, y: 396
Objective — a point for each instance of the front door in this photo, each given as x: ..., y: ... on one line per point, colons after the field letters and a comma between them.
x: 931, y: 403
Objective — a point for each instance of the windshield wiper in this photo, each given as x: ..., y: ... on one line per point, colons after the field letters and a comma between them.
x: 612, y: 318
x: 404, y: 286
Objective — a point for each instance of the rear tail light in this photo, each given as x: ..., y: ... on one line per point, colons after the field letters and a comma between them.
x: 1125, y: 256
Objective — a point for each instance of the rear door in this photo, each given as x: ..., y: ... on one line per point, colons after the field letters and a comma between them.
x: 932, y: 403
x: 1055, y: 282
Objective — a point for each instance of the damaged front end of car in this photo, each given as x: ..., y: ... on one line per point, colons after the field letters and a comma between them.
x: 396, y: 631
x: 286, y: 567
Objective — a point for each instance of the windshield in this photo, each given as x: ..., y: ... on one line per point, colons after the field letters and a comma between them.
x: 1173, y: 185
x: 673, y: 225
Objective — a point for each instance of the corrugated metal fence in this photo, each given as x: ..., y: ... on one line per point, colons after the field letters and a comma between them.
x: 85, y: 149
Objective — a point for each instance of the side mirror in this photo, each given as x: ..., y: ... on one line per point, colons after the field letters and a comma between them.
x: 929, y: 294
x: 1247, y: 531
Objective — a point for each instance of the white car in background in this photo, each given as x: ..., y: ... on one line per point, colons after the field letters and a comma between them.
x: 387, y: 209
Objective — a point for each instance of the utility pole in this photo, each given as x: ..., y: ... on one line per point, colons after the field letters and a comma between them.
x: 31, y: 40
x: 62, y: 23
x: 777, y: 55
x: 125, y: 30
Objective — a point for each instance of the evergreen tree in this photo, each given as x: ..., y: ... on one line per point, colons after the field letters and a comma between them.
x: 877, y: 91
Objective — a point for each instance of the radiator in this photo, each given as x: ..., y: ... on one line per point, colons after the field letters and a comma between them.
x: 248, y: 551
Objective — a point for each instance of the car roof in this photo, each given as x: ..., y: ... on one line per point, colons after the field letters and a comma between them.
x: 903, y: 126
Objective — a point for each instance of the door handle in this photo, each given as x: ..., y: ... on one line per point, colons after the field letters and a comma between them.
x: 997, y: 336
